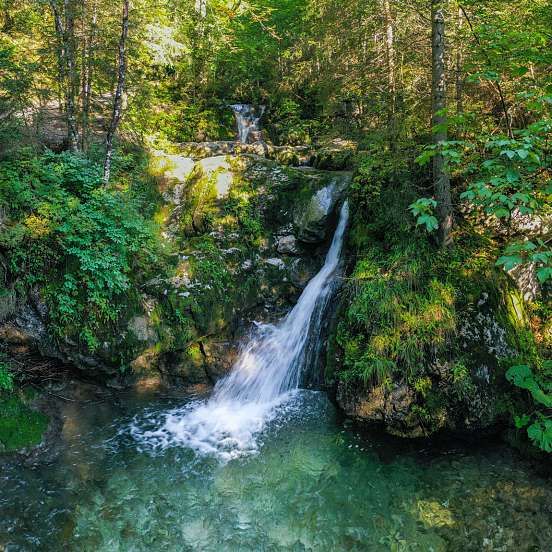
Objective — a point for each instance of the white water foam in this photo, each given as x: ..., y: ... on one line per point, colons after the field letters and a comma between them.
x: 247, y: 118
x: 262, y: 383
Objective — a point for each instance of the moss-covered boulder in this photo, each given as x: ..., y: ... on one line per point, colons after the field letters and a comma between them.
x: 20, y: 426
x: 338, y: 155
x: 420, y: 347
x: 239, y: 241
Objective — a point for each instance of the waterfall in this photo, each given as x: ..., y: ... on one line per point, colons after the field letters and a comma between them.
x: 247, y: 118
x: 271, y: 364
x: 267, y: 371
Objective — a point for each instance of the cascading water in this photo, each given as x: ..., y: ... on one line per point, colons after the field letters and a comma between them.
x: 247, y: 118
x: 267, y: 372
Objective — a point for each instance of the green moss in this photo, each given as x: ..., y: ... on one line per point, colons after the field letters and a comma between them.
x: 20, y: 426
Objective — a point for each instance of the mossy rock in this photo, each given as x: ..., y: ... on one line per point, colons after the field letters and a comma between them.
x: 20, y: 427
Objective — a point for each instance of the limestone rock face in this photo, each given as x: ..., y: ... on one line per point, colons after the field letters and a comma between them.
x: 289, y: 245
x: 246, y: 234
x: 312, y: 219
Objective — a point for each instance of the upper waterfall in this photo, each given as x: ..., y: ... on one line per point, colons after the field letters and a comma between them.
x: 247, y: 119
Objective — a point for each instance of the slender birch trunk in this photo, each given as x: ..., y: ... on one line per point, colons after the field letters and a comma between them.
x: 118, y: 94
x: 441, y: 177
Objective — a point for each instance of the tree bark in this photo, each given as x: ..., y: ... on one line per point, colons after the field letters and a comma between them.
x: 118, y: 94
x: 390, y: 55
x: 441, y: 177
x: 88, y: 75
x: 65, y: 35
x: 459, y: 73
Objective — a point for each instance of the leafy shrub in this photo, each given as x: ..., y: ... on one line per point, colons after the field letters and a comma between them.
x: 539, y: 385
x: 74, y: 239
x: 6, y: 378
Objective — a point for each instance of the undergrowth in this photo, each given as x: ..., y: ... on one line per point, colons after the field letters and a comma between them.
x: 404, y: 297
x: 75, y: 239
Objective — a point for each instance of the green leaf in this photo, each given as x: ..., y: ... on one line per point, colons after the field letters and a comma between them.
x: 540, y: 396
x: 509, y: 262
x: 518, y: 373
x: 520, y: 71
x: 522, y: 421
x: 544, y: 273
x: 440, y: 128
x: 539, y: 258
x: 541, y: 435
x: 430, y: 222
x: 502, y: 212
x: 512, y: 175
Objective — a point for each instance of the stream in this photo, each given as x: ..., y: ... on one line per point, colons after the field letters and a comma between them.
x: 315, y: 483
x: 262, y: 466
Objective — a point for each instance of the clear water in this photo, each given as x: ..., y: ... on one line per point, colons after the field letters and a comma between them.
x: 262, y: 467
x: 313, y: 483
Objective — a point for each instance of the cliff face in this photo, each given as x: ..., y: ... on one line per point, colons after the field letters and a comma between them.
x: 244, y: 235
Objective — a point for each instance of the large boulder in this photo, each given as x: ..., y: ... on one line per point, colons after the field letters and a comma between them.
x: 457, y: 396
x: 312, y: 217
x: 236, y: 255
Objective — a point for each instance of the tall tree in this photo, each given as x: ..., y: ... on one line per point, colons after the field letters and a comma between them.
x: 441, y: 177
x: 118, y: 94
x: 390, y: 55
x: 64, y: 19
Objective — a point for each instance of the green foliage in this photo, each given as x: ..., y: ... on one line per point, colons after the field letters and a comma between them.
x: 19, y: 425
x: 423, y: 209
x: 6, y: 374
x: 73, y: 238
x: 539, y: 385
x: 6, y: 378
x: 399, y: 316
x: 14, y: 87
x: 289, y: 125
x: 512, y: 181
x: 241, y: 204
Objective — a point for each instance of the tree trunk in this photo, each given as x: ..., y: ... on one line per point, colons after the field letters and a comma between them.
x: 65, y: 35
x: 87, y: 76
x: 390, y: 55
x: 118, y: 95
x: 441, y: 177
x: 459, y: 73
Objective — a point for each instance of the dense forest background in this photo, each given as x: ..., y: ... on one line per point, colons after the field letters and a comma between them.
x: 88, y: 88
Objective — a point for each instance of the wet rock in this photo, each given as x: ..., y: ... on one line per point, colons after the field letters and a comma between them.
x: 288, y: 245
x: 312, y: 219
x: 388, y: 405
